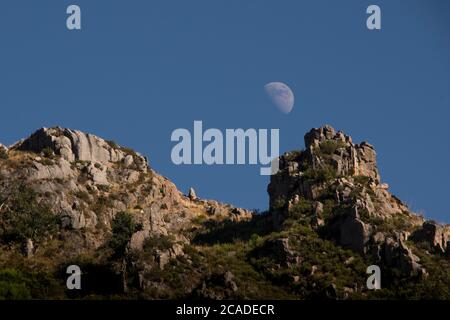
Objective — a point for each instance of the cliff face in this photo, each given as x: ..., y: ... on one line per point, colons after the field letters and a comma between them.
x: 341, y: 180
x: 67, y: 197
x: 331, y: 158
x: 86, y: 181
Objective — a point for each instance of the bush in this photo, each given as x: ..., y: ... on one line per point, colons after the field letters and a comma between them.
x: 22, y: 285
x: 329, y: 147
x: 363, y: 180
x: 279, y: 204
x: 25, y: 218
x: 103, y: 187
x: 83, y: 195
x: 302, y: 208
x: 3, y: 154
x: 159, y: 242
x: 47, y: 152
x: 323, y: 174
x: 12, y: 285
x: 123, y: 227
x: 293, y: 155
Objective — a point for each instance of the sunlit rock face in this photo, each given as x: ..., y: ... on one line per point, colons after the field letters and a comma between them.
x: 341, y: 180
x: 87, y: 180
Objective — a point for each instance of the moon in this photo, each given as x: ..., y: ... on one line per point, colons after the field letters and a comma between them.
x: 281, y: 96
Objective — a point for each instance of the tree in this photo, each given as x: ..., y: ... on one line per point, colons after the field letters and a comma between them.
x: 123, y: 227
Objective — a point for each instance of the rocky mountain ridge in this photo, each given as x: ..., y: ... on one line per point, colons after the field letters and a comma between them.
x: 334, y: 170
x: 67, y: 197
x: 87, y: 180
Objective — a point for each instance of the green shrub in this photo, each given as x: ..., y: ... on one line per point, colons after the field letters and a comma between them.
x: 26, y: 218
x: 103, y: 187
x: 363, y: 180
x: 302, y: 208
x: 22, y: 285
x: 48, y: 152
x: 46, y: 162
x: 123, y: 227
x: 13, y: 285
x: 279, y: 204
x: 101, y: 204
x: 160, y: 242
x: 83, y: 195
x: 293, y: 155
x: 320, y: 175
x: 3, y: 154
x: 329, y: 147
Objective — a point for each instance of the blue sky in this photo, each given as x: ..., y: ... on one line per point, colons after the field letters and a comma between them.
x: 140, y: 69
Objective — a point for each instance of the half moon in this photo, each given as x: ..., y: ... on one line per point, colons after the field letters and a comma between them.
x: 281, y: 96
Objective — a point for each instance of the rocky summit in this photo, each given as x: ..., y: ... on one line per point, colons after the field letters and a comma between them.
x: 70, y: 198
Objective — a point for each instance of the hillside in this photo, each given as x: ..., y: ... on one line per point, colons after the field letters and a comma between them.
x: 67, y: 197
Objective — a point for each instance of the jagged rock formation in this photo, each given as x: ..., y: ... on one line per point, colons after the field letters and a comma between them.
x: 73, y: 145
x: 335, y: 170
x: 331, y: 152
x: 87, y: 180
x: 67, y: 197
x: 192, y: 195
x: 437, y: 236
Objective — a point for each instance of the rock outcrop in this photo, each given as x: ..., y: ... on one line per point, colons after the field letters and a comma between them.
x: 331, y: 154
x: 74, y: 145
x: 347, y: 158
x: 437, y: 236
x: 192, y: 195
x: 87, y: 180
x: 280, y: 251
x: 354, y: 234
x: 334, y: 170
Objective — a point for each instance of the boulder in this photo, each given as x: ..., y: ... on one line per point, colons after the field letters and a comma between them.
x: 29, y: 248
x: 137, y: 240
x: 397, y: 254
x: 317, y: 219
x: 318, y: 135
x: 354, y: 234
x: 280, y: 251
x: 73, y: 220
x: 437, y: 236
x: 192, y: 195
x: 228, y: 281
x: 239, y: 214
x: 162, y: 258
x: 98, y: 174
x: 59, y: 170
x: 217, y: 286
